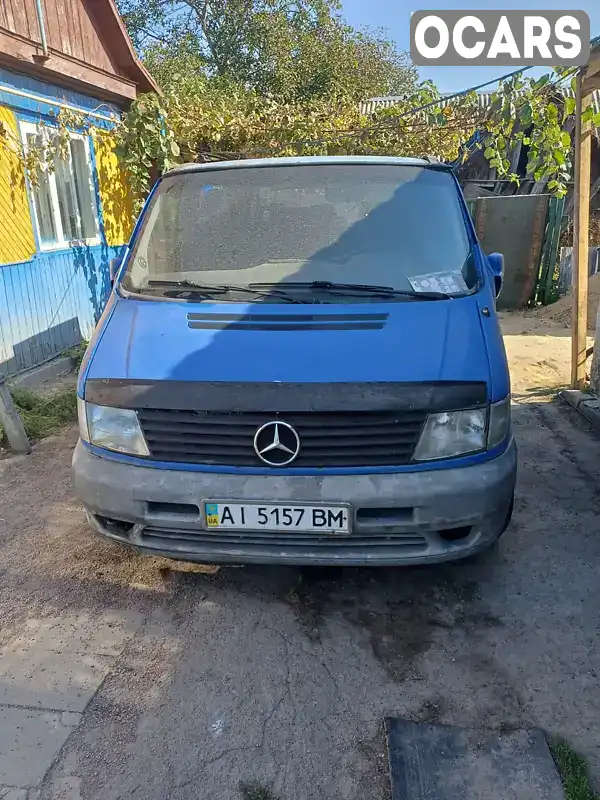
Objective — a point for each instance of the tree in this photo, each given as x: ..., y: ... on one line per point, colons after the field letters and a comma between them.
x: 209, y: 118
x: 537, y: 114
x: 293, y: 51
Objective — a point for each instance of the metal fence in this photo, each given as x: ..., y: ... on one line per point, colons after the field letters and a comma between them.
x: 565, y: 267
x: 526, y: 229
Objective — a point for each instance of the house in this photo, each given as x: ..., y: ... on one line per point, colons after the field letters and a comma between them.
x: 59, y: 231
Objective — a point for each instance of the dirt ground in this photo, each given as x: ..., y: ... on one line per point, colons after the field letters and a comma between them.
x: 539, y: 353
x: 283, y: 676
x: 560, y: 312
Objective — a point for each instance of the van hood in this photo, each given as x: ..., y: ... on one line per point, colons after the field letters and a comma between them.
x: 412, y: 341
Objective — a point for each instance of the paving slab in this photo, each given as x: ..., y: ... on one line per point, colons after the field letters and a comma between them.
x: 446, y: 762
x: 586, y: 403
x: 29, y: 742
x: 101, y: 634
x: 59, y: 662
x: 45, y: 679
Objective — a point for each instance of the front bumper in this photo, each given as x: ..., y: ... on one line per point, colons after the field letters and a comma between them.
x: 399, y: 518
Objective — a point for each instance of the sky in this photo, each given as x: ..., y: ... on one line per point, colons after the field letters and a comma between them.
x: 395, y: 16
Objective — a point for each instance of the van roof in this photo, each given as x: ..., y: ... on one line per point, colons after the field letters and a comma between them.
x: 309, y: 161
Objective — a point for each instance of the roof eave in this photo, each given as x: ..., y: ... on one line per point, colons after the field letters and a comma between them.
x: 141, y: 76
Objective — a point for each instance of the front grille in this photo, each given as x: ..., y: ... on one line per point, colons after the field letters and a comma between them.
x: 330, y: 439
x: 165, y: 537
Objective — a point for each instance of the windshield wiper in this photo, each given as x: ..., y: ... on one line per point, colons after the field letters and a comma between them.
x: 357, y: 289
x: 208, y: 290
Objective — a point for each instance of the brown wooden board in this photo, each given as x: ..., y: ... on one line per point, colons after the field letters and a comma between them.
x: 86, y: 38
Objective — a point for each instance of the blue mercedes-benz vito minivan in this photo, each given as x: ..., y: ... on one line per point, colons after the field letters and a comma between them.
x: 300, y: 362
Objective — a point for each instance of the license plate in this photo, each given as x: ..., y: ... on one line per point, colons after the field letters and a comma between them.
x: 265, y: 516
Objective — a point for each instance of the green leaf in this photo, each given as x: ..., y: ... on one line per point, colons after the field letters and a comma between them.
x: 570, y: 105
x: 587, y: 115
x: 566, y: 140
x: 489, y: 152
x: 175, y: 148
x: 526, y: 114
x: 559, y: 157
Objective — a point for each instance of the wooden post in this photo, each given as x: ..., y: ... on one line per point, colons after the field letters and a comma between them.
x: 11, y: 421
x: 581, y: 229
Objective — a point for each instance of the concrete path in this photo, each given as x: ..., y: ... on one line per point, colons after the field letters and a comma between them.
x: 48, y: 675
x: 130, y: 677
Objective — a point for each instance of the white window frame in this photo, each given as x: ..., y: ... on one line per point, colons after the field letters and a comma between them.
x: 62, y: 242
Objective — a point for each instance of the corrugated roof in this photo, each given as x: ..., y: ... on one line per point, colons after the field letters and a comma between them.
x: 484, y: 100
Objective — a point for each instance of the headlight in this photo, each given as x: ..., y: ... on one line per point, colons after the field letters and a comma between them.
x: 452, y: 433
x: 112, y: 428
x: 499, y: 428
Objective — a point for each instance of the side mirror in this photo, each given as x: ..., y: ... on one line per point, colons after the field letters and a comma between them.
x: 496, y: 262
x: 113, y: 268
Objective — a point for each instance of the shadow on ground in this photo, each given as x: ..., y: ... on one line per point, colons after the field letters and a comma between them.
x: 283, y: 675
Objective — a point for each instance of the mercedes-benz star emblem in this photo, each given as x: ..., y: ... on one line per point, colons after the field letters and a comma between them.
x: 277, y: 444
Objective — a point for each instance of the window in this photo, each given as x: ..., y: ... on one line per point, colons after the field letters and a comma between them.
x: 351, y: 223
x: 64, y: 202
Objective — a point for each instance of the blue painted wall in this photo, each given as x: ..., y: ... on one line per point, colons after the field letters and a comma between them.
x: 53, y: 300
x: 51, y: 303
x: 46, y: 96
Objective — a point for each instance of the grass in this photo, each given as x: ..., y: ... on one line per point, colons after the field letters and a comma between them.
x: 254, y: 791
x: 43, y: 416
x: 77, y: 353
x: 573, y: 771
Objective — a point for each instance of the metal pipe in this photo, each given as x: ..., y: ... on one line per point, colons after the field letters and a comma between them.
x: 42, y: 27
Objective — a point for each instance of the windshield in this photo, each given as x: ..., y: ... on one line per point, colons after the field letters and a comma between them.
x: 400, y: 227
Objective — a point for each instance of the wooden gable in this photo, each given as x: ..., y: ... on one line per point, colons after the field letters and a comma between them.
x: 87, y: 47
